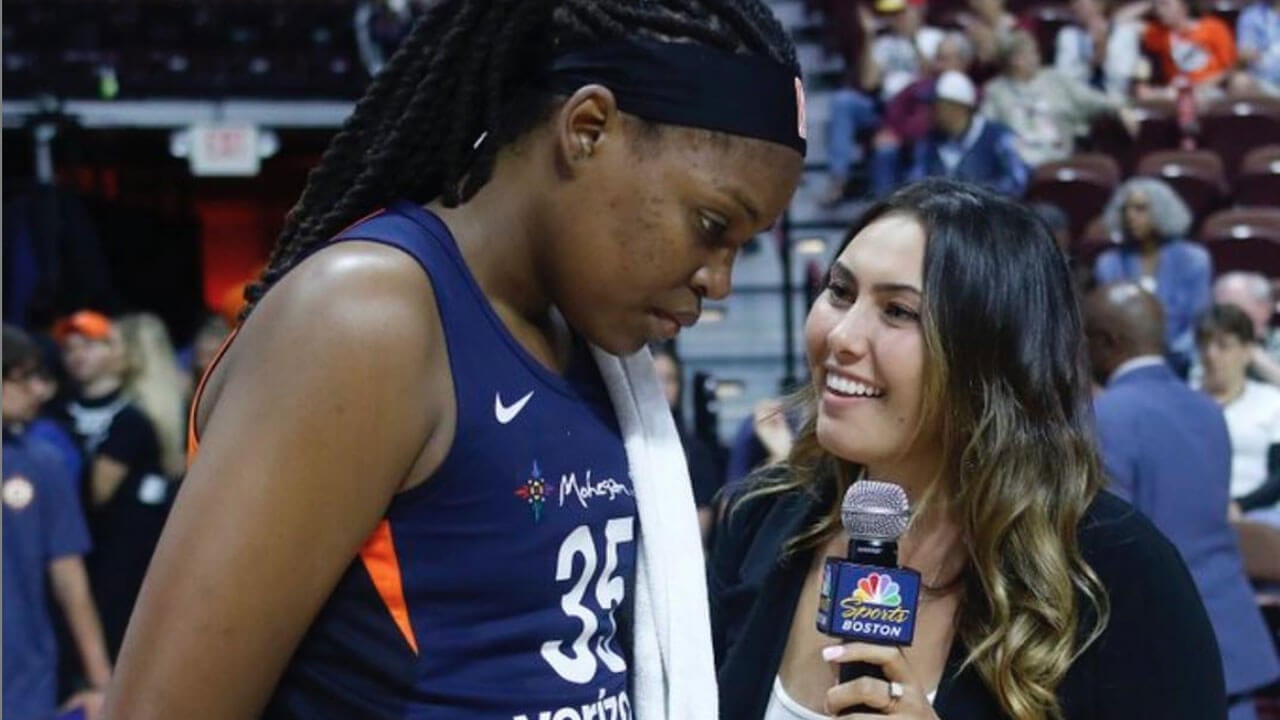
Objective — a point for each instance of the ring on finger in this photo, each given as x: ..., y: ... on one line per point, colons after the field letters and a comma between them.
x: 896, y: 691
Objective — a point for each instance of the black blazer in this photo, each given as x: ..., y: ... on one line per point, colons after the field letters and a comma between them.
x: 1157, y: 657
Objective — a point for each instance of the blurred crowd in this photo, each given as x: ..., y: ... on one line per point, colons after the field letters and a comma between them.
x: 95, y: 422
x: 975, y: 92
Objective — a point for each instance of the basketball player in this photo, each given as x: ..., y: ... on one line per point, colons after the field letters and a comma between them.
x: 411, y: 497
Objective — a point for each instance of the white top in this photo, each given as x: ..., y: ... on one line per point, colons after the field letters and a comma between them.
x: 1074, y: 52
x: 1254, y: 422
x: 783, y: 707
x: 899, y: 58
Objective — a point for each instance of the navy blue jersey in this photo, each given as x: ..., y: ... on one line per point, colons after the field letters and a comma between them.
x: 492, y: 590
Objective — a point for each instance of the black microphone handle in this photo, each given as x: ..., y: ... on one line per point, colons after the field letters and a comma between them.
x: 868, y: 552
x: 854, y: 670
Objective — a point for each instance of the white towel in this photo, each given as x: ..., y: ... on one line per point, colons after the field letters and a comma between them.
x: 673, y: 667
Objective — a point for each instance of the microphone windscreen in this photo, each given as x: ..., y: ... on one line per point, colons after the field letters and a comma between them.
x: 875, y: 510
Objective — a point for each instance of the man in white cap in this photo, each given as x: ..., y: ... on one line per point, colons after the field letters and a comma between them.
x: 966, y: 146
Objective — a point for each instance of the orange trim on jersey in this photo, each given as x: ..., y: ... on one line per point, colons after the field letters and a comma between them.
x: 370, y: 216
x: 193, y: 438
x: 379, y: 556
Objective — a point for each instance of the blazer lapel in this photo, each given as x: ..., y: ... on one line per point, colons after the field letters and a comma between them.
x: 753, y: 663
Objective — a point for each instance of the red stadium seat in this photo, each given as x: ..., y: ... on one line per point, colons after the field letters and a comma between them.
x: 1244, y: 239
x: 1081, y: 185
x: 1196, y: 175
x: 1232, y: 127
x: 1157, y: 130
x: 1259, y: 181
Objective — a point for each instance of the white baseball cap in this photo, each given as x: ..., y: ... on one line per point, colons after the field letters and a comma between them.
x: 956, y: 87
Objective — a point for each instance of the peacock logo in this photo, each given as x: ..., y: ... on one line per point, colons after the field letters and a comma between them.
x: 878, y: 589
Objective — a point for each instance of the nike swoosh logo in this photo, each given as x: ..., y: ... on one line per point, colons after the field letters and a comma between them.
x: 507, y: 413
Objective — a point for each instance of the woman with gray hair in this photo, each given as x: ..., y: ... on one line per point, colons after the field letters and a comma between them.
x: 1151, y: 224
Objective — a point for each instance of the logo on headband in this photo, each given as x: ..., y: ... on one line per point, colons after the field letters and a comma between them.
x: 800, y: 112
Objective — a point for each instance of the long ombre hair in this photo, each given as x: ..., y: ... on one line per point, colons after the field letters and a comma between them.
x: 1006, y: 390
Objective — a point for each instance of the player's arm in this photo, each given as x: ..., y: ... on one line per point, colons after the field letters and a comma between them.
x: 314, y: 419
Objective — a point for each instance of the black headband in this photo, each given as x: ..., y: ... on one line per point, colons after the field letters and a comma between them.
x: 691, y: 85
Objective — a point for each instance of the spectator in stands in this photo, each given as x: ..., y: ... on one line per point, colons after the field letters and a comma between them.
x: 987, y: 22
x: 908, y: 116
x: 966, y: 146
x: 1167, y: 450
x: 48, y: 426
x: 1258, y: 37
x: 706, y: 471
x: 1225, y: 337
x: 891, y: 62
x: 45, y: 540
x: 1198, y: 50
x: 898, y: 56
x: 1099, y: 50
x: 1152, y: 222
x: 1045, y: 108
x: 1255, y: 295
x: 124, y: 481
x: 155, y: 383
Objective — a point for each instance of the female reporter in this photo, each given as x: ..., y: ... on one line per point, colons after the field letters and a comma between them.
x: 946, y: 357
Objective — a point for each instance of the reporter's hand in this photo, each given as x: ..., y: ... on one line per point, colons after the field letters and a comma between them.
x: 912, y: 704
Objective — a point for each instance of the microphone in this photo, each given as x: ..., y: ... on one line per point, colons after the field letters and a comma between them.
x: 867, y: 597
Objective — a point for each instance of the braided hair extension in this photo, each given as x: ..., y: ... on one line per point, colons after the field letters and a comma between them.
x: 464, y: 72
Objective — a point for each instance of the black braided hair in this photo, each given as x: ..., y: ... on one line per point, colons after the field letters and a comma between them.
x: 466, y: 69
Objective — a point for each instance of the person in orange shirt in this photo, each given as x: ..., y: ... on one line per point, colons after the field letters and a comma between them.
x: 1200, y: 49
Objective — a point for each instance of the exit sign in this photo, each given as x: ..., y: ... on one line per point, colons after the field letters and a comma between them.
x: 224, y: 150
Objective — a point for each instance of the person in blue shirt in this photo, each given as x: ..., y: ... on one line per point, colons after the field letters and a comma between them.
x: 1258, y: 40
x: 1167, y: 449
x: 1153, y: 224
x: 966, y: 146
x: 45, y: 539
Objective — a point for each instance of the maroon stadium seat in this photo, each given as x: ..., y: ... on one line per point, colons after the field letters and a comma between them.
x: 1259, y: 179
x: 1234, y: 126
x: 1081, y: 185
x: 1196, y: 175
x: 1244, y: 239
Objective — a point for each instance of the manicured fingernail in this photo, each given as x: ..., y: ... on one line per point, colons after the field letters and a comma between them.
x: 832, y: 653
